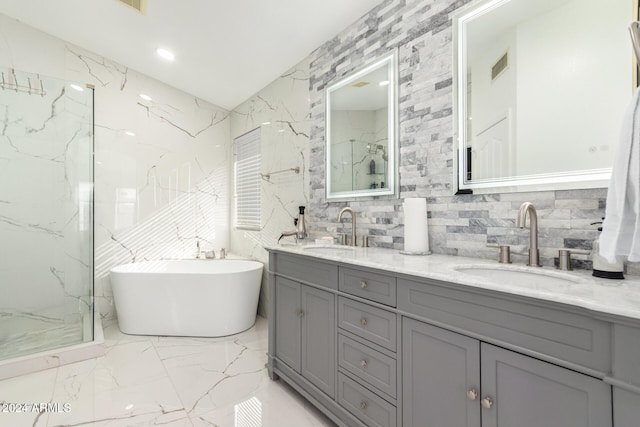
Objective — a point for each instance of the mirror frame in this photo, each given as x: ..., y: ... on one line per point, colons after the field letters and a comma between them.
x: 390, y: 61
x: 592, y: 178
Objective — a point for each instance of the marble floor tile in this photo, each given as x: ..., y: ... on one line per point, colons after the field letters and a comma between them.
x: 28, y: 333
x: 168, y: 381
x: 19, y: 393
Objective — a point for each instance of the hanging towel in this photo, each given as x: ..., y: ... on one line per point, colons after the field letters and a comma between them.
x: 621, y: 228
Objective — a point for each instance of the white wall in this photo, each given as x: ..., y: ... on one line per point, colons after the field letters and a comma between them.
x: 560, y: 84
x: 493, y: 109
x: 157, y: 193
x: 284, y: 105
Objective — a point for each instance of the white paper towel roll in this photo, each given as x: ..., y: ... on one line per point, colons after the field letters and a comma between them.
x: 416, y: 233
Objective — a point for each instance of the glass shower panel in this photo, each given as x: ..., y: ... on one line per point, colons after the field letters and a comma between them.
x: 46, y: 214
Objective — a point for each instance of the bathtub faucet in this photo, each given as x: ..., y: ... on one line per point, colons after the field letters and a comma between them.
x: 197, y: 249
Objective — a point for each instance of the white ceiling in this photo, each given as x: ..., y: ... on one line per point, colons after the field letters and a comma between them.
x: 226, y: 50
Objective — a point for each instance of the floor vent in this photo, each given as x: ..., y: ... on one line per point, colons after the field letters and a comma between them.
x: 139, y: 5
x: 499, y: 67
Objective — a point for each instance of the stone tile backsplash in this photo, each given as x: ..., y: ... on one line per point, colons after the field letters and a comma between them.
x: 463, y: 225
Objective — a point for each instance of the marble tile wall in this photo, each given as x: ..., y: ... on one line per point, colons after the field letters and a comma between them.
x: 421, y: 32
x: 281, y: 110
x: 45, y: 217
x: 157, y: 191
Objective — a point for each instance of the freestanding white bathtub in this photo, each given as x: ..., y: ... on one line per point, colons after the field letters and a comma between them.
x: 203, y: 298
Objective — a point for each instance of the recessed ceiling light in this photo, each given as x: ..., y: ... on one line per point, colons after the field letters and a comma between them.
x: 266, y: 123
x: 128, y: 132
x: 384, y: 83
x: 145, y: 97
x: 165, y: 54
x: 76, y: 87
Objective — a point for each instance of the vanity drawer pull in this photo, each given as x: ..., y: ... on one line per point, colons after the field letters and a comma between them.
x: 368, y: 407
x: 486, y: 403
x: 372, y: 286
x: 372, y: 323
x: 368, y: 364
x: 300, y: 313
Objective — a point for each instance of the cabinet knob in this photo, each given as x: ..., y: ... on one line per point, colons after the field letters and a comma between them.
x: 472, y: 394
x: 486, y: 403
x: 363, y: 284
x: 363, y: 363
x: 363, y: 321
x: 363, y: 405
x: 300, y: 313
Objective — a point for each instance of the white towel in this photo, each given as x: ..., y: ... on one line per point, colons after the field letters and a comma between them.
x: 621, y: 229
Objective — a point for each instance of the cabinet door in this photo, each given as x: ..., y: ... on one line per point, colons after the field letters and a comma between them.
x: 626, y: 408
x: 288, y: 312
x: 527, y: 392
x: 318, y: 338
x: 439, y: 368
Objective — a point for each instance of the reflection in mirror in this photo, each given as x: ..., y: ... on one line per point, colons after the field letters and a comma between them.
x: 541, y: 89
x: 360, y: 133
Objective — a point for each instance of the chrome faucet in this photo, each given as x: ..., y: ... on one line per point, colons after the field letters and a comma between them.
x: 534, y: 253
x: 354, y: 241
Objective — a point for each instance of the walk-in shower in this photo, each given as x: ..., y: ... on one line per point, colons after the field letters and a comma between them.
x: 46, y: 214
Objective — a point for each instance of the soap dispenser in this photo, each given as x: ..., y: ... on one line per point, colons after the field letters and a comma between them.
x: 603, y: 268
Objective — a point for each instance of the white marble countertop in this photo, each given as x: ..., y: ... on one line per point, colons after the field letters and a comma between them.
x: 579, y: 288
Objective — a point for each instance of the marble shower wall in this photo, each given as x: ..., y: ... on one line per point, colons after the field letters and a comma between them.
x: 157, y: 191
x: 45, y: 216
x: 281, y: 110
x: 421, y: 32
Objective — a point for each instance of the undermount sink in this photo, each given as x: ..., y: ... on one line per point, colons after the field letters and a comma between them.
x: 329, y: 248
x: 519, y: 276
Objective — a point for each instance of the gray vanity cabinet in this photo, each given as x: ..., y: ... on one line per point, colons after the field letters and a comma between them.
x: 450, y: 379
x: 305, y: 320
x: 288, y: 322
x: 625, y: 376
x: 527, y: 392
x: 374, y: 348
x: 439, y: 369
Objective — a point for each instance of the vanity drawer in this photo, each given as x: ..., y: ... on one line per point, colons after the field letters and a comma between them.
x: 546, y: 332
x: 369, y: 285
x: 307, y: 270
x: 370, y: 408
x: 376, y: 368
x: 372, y: 323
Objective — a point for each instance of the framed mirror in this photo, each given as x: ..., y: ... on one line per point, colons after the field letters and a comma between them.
x: 540, y: 90
x: 360, y: 133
